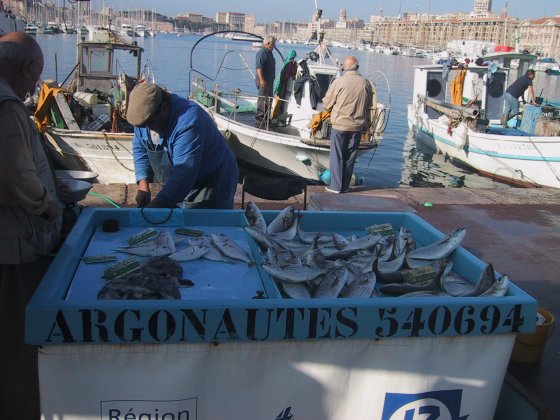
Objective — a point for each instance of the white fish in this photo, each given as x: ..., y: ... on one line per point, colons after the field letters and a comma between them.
x: 499, y: 288
x: 283, y: 221
x: 255, y: 216
x: 191, y: 253
x: 230, y: 248
x: 164, y: 238
x: 294, y: 274
x: 362, y: 286
x: 296, y: 290
x: 440, y: 249
x: 484, y: 282
x: 309, y: 237
x: 147, y: 250
x: 264, y: 239
x: 332, y: 284
x: 214, y: 254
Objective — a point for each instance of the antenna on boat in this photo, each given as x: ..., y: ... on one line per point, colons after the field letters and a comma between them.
x: 322, y: 51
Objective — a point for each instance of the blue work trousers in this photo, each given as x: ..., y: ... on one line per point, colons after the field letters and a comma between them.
x: 344, y: 148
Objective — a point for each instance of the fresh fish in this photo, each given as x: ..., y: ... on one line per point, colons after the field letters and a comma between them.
x: 499, y: 288
x: 296, y: 290
x: 147, y: 250
x: 294, y: 274
x: 398, y: 289
x: 265, y: 240
x: 164, y: 238
x: 283, y: 221
x: 385, y: 247
x: 255, y: 217
x: 440, y: 249
x: 214, y: 254
x: 191, y: 253
x: 230, y: 249
x: 332, y: 284
x: 393, y: 265
x: 455, y: 284
x: 364, y: 242
x: 288, y: 234
x: 309, y: 237
x: 486, y: 279
x: 340, y: 242
x: 425, y: 293
x: 404, y: 241
x: 362, y: 287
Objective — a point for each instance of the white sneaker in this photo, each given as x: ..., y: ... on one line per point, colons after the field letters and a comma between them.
x: 331, y: 191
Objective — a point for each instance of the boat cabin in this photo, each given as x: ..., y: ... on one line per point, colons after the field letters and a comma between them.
x: 101, y: 61
x: 480, y: 87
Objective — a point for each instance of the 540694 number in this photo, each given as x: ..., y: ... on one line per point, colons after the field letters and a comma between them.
x: 443, y: 320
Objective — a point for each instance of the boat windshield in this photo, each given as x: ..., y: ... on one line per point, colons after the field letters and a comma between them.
x: 324, y: 82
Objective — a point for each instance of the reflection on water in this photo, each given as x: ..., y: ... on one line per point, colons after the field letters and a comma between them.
x: 425, y: 167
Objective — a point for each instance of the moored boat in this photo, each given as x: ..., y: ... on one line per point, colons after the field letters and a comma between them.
x: 293, y: 140
x: 460, y: 114
x: 80, y: 129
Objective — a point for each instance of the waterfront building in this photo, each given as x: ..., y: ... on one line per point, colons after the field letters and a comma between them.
x: 541, y: 36
x: 234, y: 20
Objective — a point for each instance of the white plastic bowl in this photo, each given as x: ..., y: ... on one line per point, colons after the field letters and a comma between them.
x: 80, y: 175
x: 73, y: 190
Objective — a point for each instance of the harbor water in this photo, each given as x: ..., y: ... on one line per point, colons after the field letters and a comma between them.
x: 398, y: 161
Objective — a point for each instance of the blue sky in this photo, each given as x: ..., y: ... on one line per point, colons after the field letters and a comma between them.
x: 301, y: 10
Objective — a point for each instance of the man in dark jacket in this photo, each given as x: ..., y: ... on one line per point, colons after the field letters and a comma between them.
x: 30, y: 223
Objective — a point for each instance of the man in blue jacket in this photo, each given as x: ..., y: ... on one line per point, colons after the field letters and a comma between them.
x: 177, y: 143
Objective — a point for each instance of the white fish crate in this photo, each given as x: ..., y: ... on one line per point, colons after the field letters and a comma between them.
x: 232, y: 302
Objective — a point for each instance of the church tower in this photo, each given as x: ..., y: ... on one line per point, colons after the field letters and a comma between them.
x: 482, y: 7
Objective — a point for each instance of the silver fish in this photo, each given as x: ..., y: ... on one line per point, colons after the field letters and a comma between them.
x: 147, y: 250
x: 364, y: 242
x: 214, y: 254
x: 404, y: 241
x: 288, y: 234
x: 398, y: 289
x: 283, y: 221
x: 440, y: 249
x: 309, y: 237
x: 362, y: 287
x: 296, y: 290
x: 499, y: 288
x: 393, y: 265
x: 229, y: 248
x: 486, y: 279
x: 455, y: 284
x: 385, y: 247
x: 255, y: 216
x: 332, y: 284
x: 164, y: 238
x: 191, y: 253
x: 294, y: 274
x: 264, y: 239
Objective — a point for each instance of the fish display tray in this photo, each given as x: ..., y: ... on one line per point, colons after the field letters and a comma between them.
x: 233, y: 302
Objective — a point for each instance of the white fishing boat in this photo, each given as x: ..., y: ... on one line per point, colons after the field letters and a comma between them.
x: 80, y: 137
x: 462, y: 120
x: 141, y: 30
x: 283, y: 142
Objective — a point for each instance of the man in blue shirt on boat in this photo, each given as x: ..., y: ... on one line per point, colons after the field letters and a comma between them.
x: 514, y: 92
x: 177, y: 143
x: 266, y: 72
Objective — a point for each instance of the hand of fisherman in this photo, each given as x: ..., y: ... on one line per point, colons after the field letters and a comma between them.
x: 143, y: 198
x: 156, y: 204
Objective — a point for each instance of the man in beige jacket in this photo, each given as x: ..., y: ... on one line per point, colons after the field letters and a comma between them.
x: 30, y: 223
x: 348, y: 99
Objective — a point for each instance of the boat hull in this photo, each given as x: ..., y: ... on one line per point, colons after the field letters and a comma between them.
x: 108, y: 154
x: 519, y: 160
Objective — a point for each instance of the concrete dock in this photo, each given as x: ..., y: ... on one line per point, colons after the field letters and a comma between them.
x: 517, y: 230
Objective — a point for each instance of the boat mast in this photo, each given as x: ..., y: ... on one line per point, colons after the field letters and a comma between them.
x: 322, y: 50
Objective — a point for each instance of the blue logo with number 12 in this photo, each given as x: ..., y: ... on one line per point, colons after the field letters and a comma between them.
x: 435, y: 405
